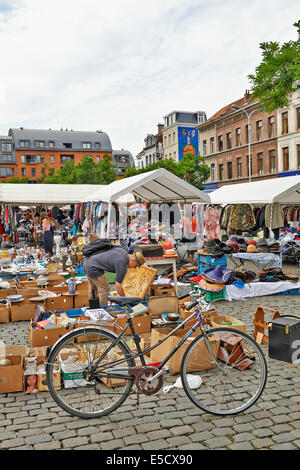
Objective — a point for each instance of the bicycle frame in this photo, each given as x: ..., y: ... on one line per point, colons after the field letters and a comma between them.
x: 115, y: 372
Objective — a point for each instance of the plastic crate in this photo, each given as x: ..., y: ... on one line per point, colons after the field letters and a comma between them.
x: 211, y: 261
x: 289, y: 292
x: 210, y: 296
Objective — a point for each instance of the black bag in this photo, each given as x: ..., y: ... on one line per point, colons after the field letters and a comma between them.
x: 96, y: 246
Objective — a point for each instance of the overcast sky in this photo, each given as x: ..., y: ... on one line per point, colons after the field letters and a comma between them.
x: 122, y: 65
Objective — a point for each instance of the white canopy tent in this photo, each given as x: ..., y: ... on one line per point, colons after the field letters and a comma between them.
x: 154, y: 186
x: 46, y: 194
x: 283, y: 190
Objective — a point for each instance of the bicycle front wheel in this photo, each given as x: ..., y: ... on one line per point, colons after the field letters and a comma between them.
x: 74, y: 381
x: 225, y: 373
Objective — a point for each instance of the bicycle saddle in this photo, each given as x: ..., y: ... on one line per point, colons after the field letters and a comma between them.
x: 124, y: 300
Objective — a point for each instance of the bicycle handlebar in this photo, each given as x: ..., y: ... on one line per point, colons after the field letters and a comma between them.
x: 193, y: 304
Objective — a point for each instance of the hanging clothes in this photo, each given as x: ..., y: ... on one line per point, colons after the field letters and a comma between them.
x: 241, y: 219
x: 274, y: 216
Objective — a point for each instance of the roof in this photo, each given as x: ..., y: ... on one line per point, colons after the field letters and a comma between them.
x: 225, y: 109
x: 283, y: 190
x: 153, y: 186
x: 48, y: 194
x: 62, y: 136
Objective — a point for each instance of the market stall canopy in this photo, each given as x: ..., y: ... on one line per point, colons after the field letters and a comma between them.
x: 154, y: 186
x: 47, y: 194
x: 283, y: 190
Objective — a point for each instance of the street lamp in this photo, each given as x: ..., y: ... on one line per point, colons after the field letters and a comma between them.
x: 236, y: 107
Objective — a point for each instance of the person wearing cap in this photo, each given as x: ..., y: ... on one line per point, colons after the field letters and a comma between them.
x: 115, y: 260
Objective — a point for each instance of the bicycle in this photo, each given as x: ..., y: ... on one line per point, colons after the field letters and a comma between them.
x: 228, y: 363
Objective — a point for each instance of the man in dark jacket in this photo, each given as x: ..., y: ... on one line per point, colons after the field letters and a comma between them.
x: 115, y: 260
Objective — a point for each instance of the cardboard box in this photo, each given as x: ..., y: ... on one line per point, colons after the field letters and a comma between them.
x: 200, y: 359
x: 28, y: 292
x: 142, y: 324
x: 11, y: 376
x: 45, y: 337
x: 4, y: 313
x: 162, y: 289
x: 40, y: 379
x: 72, y: 373
x: 18, y: 350
x: 22, y: 311
x: 215, y: 322
x: 81, y: 300
x: 60, y: 303
x: 5, y: 292
x: 162, y: 304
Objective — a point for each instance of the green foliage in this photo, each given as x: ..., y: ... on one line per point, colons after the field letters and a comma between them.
x: 85, y: 172
x: 191, y: 168
x: 16, y: 180
x: 276, y: 75
x: 46, y: 172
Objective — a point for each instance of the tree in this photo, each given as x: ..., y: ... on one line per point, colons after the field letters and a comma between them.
x: 46, y: 172
x: 191, y: 168
x: 16, y: 180
x: 278, y: 74
x: 85, y: 172
x: 105, y: 171
x: 67, y: 175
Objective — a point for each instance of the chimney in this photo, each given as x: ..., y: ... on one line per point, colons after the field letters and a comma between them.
x: 160, y: 127
x: 247, y: 95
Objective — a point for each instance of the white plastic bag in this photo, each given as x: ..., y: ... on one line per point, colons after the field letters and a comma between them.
x: 194, y: 381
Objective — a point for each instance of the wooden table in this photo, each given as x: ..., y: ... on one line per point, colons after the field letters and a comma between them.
x: 163, y: 260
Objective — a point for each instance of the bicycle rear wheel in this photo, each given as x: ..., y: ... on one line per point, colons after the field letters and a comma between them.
x: 85, y: 392
x: 229, y: 380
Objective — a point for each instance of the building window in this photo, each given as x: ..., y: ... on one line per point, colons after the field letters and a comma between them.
x: 51, y: 144
x: 40, y: 159
x: 6, y: 172
x: 6, y: 146
x: 52, y: 159
x: 174, y: 137
x: 221, y: 171
x: 204, y: 147
x: 23, y: 171
x: 7, y: 157
x: 272, y: 155
x: 24, y: 143
x: 259, y: 130
x: 298, y: 155
x: 33, y: 172
x: 229, y: 170
x: 285, y: 158
x: 220, y: 143
x: 65, y: 158
x: 68, y: 145
x: 260, y: 163
x: 212, y: 172
x: 239, y: 167
x: 86, y: 145
x: 271, y: 127
x: 229, y: 140
x: 40, y: 143
x: 298, y: 118
x: 285, y: 123
x: 212, y: 145
x: 97, y: 145
x: 238, y: 140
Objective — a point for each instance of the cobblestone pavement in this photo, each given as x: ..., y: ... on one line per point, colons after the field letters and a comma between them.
x: 163, y: 421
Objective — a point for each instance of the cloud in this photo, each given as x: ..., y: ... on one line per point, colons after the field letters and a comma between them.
x: 121, y: 66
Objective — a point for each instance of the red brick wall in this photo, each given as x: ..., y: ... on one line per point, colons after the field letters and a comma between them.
x: 229, y: 124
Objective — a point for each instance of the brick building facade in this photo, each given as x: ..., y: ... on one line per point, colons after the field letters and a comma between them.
x: 224, y: 143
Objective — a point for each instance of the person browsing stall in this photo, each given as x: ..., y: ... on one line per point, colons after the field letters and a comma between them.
x: 115, y: 260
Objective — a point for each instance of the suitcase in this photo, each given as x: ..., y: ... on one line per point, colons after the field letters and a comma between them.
x: 284, y: 339
x: 150, y: 251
